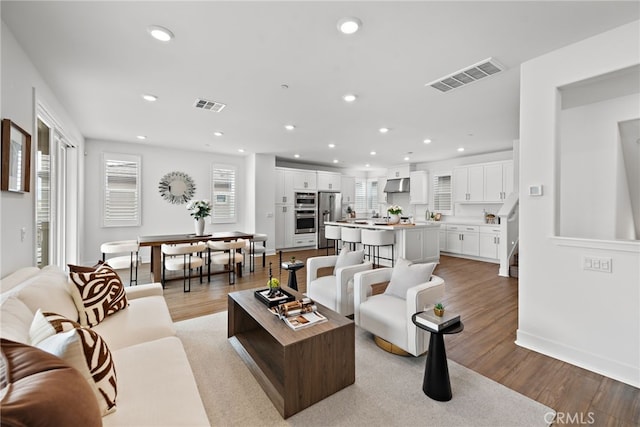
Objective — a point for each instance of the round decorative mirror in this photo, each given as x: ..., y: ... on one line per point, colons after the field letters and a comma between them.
x: 177, y: 187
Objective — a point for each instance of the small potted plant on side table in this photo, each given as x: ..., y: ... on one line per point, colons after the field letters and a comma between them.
x: 438, y: 309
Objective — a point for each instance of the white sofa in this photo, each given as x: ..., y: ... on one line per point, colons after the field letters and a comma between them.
x: 155, y: 383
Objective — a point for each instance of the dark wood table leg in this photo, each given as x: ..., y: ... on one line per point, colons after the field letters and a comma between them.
x: 436, y: 383
x: 156, y: 263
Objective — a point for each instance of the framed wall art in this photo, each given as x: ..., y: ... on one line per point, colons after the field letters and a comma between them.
x: 16, y: 158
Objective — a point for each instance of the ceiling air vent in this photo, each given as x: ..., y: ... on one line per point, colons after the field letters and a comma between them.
x: 471, y: 74
x: 214, y: 106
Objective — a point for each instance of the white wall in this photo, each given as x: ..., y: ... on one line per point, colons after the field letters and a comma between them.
x: 262, y: 173
x: 158, y: 215
x: 562, y: 308
x: 21, y: 85
x: 589, y: 147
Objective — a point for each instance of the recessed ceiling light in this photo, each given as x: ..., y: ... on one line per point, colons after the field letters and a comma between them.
x: 289, y: 127
x: 349, y: 97
x: 149, y: 97
x: 373, y: 153
x: 349, y: 25
x: 160, y: 33
x: 427, y: 141
x: 141, y: 137
x: 461, y: 149
x: 335, y: 160
x: 297, y: 156
x: 406, y: 159
x: 218, y: 133
x: 367, y: 165
x: 332, y: 145
x: 241, y: 150
x: 383, y: 130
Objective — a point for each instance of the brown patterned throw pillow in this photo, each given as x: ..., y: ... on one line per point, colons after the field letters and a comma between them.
x: 81, y: 348
x: 97, y: 293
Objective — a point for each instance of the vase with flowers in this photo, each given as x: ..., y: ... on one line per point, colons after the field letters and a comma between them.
x: 394, y: 214
x: 199, y: 210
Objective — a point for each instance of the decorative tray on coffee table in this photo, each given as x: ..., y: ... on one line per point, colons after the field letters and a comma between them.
x: 285, y: 296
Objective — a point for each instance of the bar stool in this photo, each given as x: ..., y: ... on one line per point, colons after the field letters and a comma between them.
x: 124, y: 261
x: 333, y: 232
x: 182, y: 257
x: 374, y: 239
x: 229, y: 255
x: 351, y: 235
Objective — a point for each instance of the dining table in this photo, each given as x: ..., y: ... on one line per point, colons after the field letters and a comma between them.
x: 155, y: 243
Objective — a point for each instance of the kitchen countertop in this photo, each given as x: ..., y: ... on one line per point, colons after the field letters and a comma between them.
x: 380, y: 225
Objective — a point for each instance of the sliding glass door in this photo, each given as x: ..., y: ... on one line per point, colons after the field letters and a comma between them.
x: 55, y: 196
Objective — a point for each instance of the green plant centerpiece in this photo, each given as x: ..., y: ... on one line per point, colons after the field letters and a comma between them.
x: 274, y: 285
x: 438, y: 309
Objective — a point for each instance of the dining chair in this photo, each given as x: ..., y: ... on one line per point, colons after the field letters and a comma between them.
x: 182, y: 257
x: 130, y: 261
x: 228, y: 254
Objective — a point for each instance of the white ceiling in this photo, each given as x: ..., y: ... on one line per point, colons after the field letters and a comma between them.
x: 98, y: 59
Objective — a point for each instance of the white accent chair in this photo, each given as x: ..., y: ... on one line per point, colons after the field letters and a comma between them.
x: 130, y: 261
x: 228, y: 255
x: 334, y: 291
x: 389, y: 317
x: 182, y: 257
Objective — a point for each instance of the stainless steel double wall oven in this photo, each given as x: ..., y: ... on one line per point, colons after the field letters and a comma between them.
x: 306, y: 212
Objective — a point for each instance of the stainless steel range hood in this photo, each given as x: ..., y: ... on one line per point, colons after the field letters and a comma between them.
x: 397, y: 185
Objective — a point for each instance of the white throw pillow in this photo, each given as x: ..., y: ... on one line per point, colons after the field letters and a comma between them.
x: 348, y: 257
x: 49, y: 291
x: 406, y: 275
x: 82, y: 349
x: 16, y: 318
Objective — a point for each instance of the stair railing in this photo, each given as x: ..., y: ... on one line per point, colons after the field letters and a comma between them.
x: 509, y: 231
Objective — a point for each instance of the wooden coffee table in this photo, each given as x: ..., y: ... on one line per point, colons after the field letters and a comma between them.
x: 295, y: 368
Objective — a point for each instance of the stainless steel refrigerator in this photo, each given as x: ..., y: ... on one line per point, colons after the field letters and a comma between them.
x: 329, y: 209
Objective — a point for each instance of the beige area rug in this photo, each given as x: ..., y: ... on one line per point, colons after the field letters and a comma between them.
x: 387, y: 391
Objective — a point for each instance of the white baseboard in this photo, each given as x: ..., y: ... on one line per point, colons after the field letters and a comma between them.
x: 610, y: 368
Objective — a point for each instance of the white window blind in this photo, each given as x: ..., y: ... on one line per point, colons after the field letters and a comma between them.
x: 121, y: 174
x: 361, y: 195
x: 442, y: 196
x: 223, y: 194
x: 372, y: 195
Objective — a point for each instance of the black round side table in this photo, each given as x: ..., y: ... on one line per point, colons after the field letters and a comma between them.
x: 292, y: 267
x: 436, y: 383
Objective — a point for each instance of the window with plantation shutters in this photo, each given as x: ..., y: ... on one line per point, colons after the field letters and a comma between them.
x: 121, y: 174
x: 223, y: 194
x: 442, y: 193
x: 361, y: 195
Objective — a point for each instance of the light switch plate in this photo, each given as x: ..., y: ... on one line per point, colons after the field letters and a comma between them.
x: 535, y: 190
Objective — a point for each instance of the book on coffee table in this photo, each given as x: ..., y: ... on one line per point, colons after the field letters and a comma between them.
x: 304, y: 320
x: 437, y: 323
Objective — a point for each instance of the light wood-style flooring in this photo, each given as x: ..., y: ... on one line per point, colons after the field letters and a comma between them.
x: 488, y: 305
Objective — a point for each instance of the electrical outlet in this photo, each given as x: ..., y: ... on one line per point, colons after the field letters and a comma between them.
x: 603, y: 264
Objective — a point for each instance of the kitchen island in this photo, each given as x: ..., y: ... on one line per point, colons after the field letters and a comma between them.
x: 415, y: 242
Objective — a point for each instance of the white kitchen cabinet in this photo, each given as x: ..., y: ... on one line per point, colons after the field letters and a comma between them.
x: 348, y: 189
x: 304, y: 240
x: 463, y: 239
x: 402, y: 171
x: 468, y: 183
x: 284, y: 186
x: 442, y: 234
x: 498, y: 181
x: 329, y: 181
x: 305, y: 180
x: 418, y: 188
x: 489, y: 241
x: 284, y: 225
x: 382, y: 196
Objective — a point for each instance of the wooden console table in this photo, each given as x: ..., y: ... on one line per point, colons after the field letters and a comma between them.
x: 294, y: 368
x: 156, y: 246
